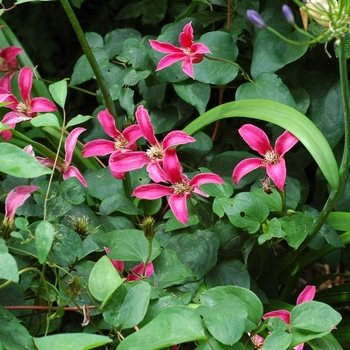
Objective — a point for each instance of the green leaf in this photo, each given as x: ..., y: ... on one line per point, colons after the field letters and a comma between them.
x: 130, y: 311
x: 45, y: 119
x: 225, y: 320
x: 195, y: 93
x: 135, y: 54
x: 241, y: 296
x: 71, y: 341
x: 277, y: 340
x: 133, y: 77
x: 132, y: 245
x: 266, y: 86
x: 8, y: 264
x: 327, y: 342
x: 12, y: 334
x: 296, y: 227
x: 16, y: 162
x: 168, y: 270
x: 339, y: 220
x: 314, y: 316
x: 43, y: 240
x: 59, y: 92
x: 200, y: 260
x: 231, y: 272
x: 271, y: 230
x: 104, y: 280
x: 246, y: 211
x: 119, y: 203
x: 217, y: 72
x: 284, y: 116
x: 79, y: 119
x: 174, y: 325
x: 126, y: 100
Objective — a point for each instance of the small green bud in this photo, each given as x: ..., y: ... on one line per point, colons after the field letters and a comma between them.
x: 147, y: 227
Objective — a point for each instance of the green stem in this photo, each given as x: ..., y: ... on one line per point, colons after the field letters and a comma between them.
x: 343, y: 171
x: 150, y: 246
x: 91, y: 58
x: 244, y: 73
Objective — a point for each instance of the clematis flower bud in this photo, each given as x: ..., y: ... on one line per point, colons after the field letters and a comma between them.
x: 287, y: 12
x: 255, y: 18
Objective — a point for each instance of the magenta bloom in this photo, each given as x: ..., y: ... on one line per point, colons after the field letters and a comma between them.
x: 189, y: 52
x: 136, y: 272
x: 8, y: 63
x: 272, y: 159
x: 181, y: 187
x: 66, y: 168
x: 306, y: 295
x: 122, y: 141
x: 14, y: 200
x: 122, y: 162
x: 28, y: 107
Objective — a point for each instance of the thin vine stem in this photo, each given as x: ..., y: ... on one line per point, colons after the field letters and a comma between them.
x: 91, y: 58
x: 290, y: 258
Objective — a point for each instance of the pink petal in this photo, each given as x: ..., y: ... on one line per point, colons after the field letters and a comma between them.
x: 199, y: 48
x: 25, y: 82
x: 15, y: 199
x: 132, y: 133
x: 187, y: 67
x: 284, y: 315
x: 164, y: 47
x: 42, y: 104
x: 255, y: 138
x: 29, y: 149
x: 10, y: 53
x: 176, y: 138
x: 178, y: 205
x: 145, y: 125
x: 6, y: 96
x: 74, y: 172
x: 299, y: 347
x: 70, y: 144
x: 118, y: 175
x: 285, y: 142
x: 98, y: 148
x: 246, y: 166
x: 186, y: 37
x: 6, y: 135
x: 108, y: 124
x: 156, y: 172
x: 49, y: 162
x: 172, y: 166
x: 170, y: 59
x: 152, y: 191
x: 307, y: 294
x: 5, y: 81
x: 277, y: 172
x: 138, y: 270
x: 11, y: 119
x: 127, y: 161
x: 206, y: 178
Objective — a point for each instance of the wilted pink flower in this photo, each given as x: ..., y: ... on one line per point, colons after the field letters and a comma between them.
x: 136, y: 272
x: 181, y: 187
x: 122, y: 141
x: 273, y: 159
x: 65, y: 168
x: 14, y: 200
x: 306, y: 295
x: 28, y: 107
x: 125, y: 161
x: 189, y: 52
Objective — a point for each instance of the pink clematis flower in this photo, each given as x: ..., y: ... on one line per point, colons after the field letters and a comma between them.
x: 181, y: 187
x: 122, y: 141
x: 306, y: 295
x: 273, y: 159
x: 26, y: 109
x: 189, y: 52
x: 66, y: 168
x: 14, y: 200
x: 8, y: 63
x: 136, y: 272
x: 153, y: 157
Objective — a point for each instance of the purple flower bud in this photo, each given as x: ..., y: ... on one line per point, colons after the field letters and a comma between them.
x: 255, y: 18
x: 288, y: 14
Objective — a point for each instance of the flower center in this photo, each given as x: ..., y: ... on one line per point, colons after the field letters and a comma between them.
x: 181, y: 187
x: 271, y: 157
x: 188, y: 51
x: 154, y: 153
x: 120, y: 143
x: 23, y: 108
